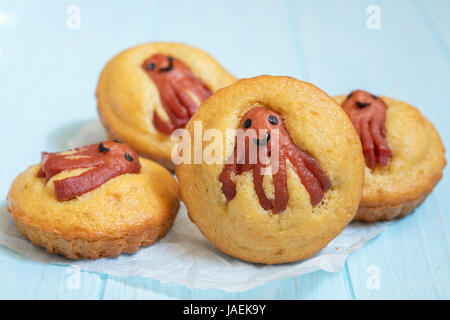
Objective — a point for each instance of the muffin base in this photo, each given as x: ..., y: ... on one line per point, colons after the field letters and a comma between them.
x: 78, y: 248
x: 371, y: 214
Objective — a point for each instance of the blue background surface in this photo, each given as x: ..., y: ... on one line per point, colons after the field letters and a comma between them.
x: 48, y: 76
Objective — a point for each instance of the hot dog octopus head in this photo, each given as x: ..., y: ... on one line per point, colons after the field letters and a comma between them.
x: 105, y: 161
x: 368, y: 114
x: 263, y: 121
x: 179, y: 89
x: 272, y: 138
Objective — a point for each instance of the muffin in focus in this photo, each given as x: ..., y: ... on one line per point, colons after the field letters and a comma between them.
x: 281, y: 187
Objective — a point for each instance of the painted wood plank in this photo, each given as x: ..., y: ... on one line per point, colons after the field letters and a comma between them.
x: 318, y: 285
x: 22, y: 278
x: 436, y: 15
x: 248, y: 38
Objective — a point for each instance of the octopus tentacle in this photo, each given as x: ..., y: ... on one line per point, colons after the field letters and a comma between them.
x: 165, y: 127
x: 173, y: 105
x: 65, y: 189
x: 315, y: 168
x: 378, y: 131
x: 312, y: 185
x: 178, y: 116
x: 367, y: 145
x: 258, y: 184
x: 53, y: 165
x: 357, y: 125
x: 183, y: 96
x: 228, y: 185
x: 280, y: 186
x: 200, y: 88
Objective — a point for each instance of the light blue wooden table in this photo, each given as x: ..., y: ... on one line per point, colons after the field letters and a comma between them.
x: 48, y: 74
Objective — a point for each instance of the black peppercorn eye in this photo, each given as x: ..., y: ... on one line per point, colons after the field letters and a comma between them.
x: 273, y: 120
x: 128, y: 157
x: 374, y: 97
x: 247, y: 123
x: 349, y: 95
x: 151, y: 66
x: 117, y: 141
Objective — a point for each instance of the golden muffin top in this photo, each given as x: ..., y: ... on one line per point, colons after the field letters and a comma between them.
x: 123, y: 205
x: 417, y: 158
x: 241, y: 226
x: 135, y: 85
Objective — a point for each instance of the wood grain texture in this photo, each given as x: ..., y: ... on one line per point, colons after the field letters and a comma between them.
x: 22, y: 278
x: 49, y: 74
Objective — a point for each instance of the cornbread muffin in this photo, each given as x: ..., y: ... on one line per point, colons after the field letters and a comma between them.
x: 146, y: 92
x: 308, y: 192
x: 90, y: 217
x: 412, y: 167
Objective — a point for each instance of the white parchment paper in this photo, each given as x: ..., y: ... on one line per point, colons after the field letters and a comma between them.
x: 185, y: 257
